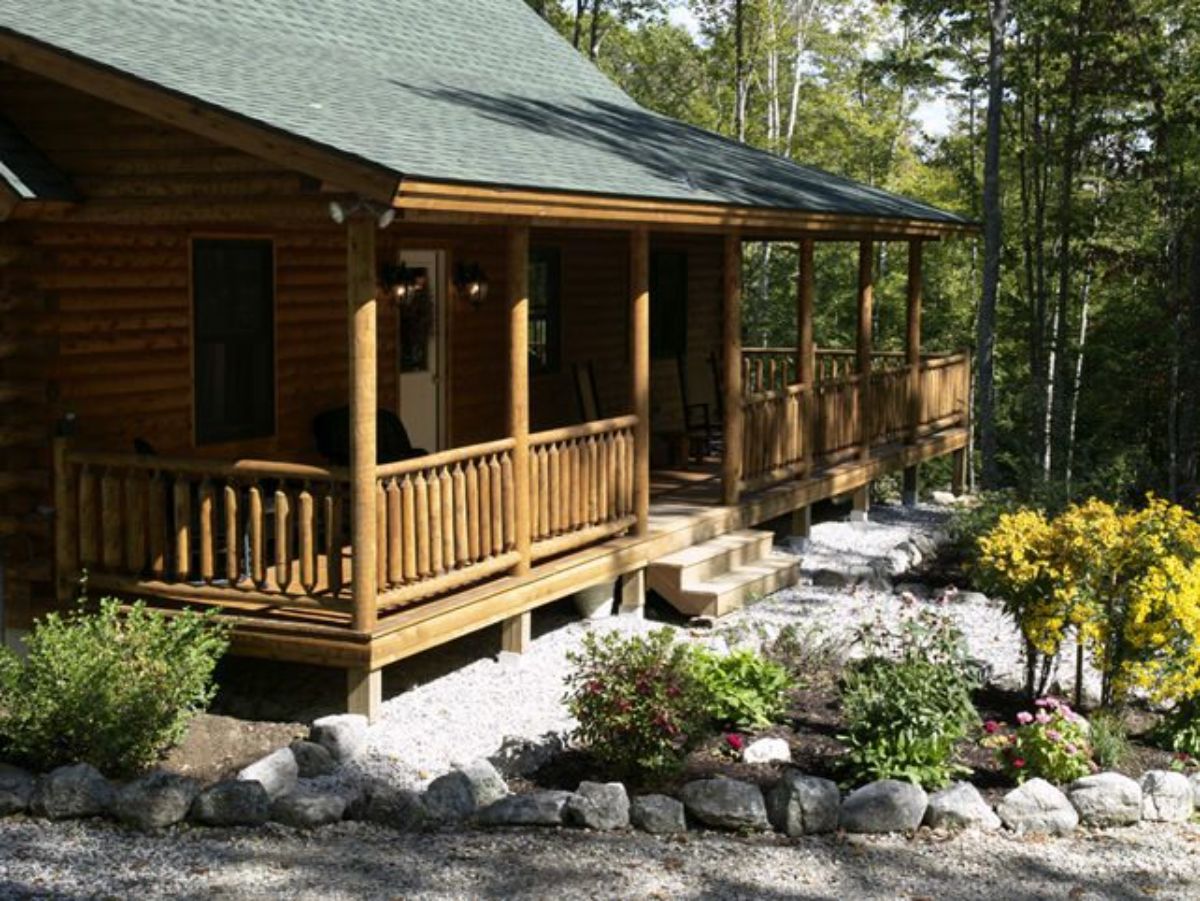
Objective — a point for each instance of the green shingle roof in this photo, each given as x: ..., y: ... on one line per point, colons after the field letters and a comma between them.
x: 472, y: 91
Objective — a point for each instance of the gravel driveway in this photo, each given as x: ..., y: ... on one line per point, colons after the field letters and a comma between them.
x: 358, y: 861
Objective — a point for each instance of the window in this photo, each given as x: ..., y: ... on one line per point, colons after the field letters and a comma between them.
x: 233, y: 299
x: 545, y: 317
x: 668, y: 304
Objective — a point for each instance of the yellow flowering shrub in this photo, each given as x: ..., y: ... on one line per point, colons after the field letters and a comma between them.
x: 1125, y: 582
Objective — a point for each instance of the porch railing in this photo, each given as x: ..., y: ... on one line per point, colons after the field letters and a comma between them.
x: 774, y: 368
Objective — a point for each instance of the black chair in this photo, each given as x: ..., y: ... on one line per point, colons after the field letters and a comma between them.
x: 331, y: 430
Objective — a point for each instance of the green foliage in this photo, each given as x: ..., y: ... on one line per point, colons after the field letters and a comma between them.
x: 971, y: 522
x: 637, y: 700
x: 1109, y: 739
x: 743, y: 690
x: 805, y: 654
x: 1051, y: 744
x: 1179, y: 731
x: 908, y: 702
x: 107, y: 688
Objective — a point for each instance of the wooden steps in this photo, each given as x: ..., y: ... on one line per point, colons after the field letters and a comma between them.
x: 723, y: 574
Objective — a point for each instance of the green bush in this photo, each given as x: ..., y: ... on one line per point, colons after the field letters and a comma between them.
x: 107, y: 688
x: 808, y: 655
x: 1109, y: 739
x: 743, y: 690
x: 1051, y: 744
x: 908, y: 702
x: 1179, y: 730
x: 637, y: 700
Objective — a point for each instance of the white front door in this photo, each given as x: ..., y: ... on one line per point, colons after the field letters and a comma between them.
x: 421, y: 350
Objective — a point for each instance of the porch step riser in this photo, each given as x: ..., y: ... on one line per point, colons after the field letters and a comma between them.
x: 739, y: 588
x: 671, y: 574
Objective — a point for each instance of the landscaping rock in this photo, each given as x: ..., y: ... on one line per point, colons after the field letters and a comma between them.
x: 277, y: 772
x: 521, y: 756
x: 1195, y: 780
x: 155, y: 801
x: 855, y: 574
x: 918, y: 590
x: 234, y: 802
x: 803, y: 805
x: 726, y: 804
x: 401, y: 809
x: 600, y: 806
x: 1106, y: 799
x: 16, y: 788
x: 461, y: 792
x: 312, y: 760
x: 885, y: 806
x: 307, y: 809
x: 767, y: 750
x: 72, y: 791
x: 1167, y: 797
x: 343, y: 736
x: 960, y: 807
x: 1037, y: 806
x: 540, y: 808
x: 658, y: 814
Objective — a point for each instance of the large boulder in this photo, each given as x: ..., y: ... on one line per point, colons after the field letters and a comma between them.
x: 658, y: 814
x: 277, y: 772
x: 767, y: 750
x: 726, y: 804
x: 313, y: 760
x: 155, y: 801
x: 599, y: 805
x: 540, y: 808
x: 1038, y: 807
x: 344, y: 736
x: 803, y: 805
x: 234, y: 802
x: 306, y: 808
x: 960, y: 807
x: 1106, y: 799
x: 401, y: 809
x: 72, y: 791
x: 518, y: 756
x: 885, y: 806
x: 16, y: 789
x: 463, y: 791
x: 1167, y: 797
x: 1195, y: 780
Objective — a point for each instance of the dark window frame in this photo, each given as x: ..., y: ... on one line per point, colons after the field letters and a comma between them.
x: 551, y: 312
x: 259, y: 339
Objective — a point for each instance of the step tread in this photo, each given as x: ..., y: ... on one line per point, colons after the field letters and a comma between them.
x: 771, y: 565
x: 715, y: 547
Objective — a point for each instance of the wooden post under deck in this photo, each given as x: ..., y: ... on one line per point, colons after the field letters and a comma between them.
x: 515, y: 632
x: 912, y: 349
x: 639, y: 382
x: 866, y: 294
x: 806, y: 369
x: 364, y: 686
x: 731, y: 468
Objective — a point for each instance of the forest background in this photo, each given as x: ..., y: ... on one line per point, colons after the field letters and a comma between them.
x: 1070, y: 129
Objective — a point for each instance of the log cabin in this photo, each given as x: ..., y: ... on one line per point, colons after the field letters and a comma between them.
x: 371, y: 325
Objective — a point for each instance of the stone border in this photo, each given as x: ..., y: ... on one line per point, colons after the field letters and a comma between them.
x: 290, y: 786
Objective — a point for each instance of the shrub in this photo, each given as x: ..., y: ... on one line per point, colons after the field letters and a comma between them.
x: 807, y: 655
x: 1050, y: 744
x: 908, y: 702
x: 637, y: 701
x: 108, y: 688
x: 1179, y: 730
x: 1109, y: 739
x: 742, y: 689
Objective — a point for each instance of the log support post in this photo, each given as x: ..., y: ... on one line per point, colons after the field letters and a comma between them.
x: 866, y: 413
x: 801, y: 530
x: 66, y: 524
x: 515, y: 631
x: 731, y: 469
x: 632, y: 594
x: 806, y: 358
x: 364, y: 686
x: 958, y: 472
x: 912, y: 359
x: 639, y: 381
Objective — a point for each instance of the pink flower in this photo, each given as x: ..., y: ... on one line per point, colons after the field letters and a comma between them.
x: 1018, y: 762
x: 735, y: 741
x: 1042, y: 718
x: 991, y: 727
x: 1070, y: 748
x: 1024, y: 718
x: 1053, y: 734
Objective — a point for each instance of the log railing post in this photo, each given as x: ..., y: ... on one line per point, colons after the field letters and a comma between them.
x: 515, y: 631
x: 912, y: 356
x: 361, y: 291
x: 806, y: 363
x: 866, y: 293
x: 66, y: 522
x: 731, y: 469
x: 639, y: 382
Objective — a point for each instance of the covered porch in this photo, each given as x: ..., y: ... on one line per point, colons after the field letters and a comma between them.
x: 362, y: 565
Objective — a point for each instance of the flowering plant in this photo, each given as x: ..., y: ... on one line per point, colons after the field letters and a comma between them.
x: 1051, y: 743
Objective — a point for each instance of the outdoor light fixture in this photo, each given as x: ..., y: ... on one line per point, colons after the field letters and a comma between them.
x: 471, y: 282
x: 399, y: 281
x: 340, y: 212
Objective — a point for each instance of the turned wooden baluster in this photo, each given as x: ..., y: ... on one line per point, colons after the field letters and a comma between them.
x: 333, y: 539
x: 283, y: 539
x: 447, y: 517
x: 183, y: 529
x: 462, y: 549
x: 233, y: 543
x: 308, y: 540
x: 424, y: 539
x: 207, y: 498
x: 408, y: 524
x: 156, y: 514
x: 474, y: 530
x: 395, y: 534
